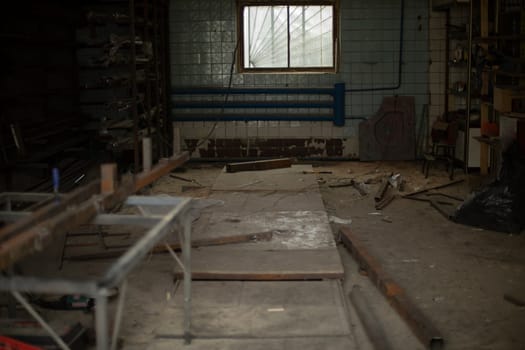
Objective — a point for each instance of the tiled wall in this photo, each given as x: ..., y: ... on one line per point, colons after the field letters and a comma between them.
x: 202, y: 40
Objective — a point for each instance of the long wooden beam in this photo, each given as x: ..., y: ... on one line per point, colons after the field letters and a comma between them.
x: 32, y: 233
x: 259, y: 165
x: 23, y: 242
x: 163, y: 167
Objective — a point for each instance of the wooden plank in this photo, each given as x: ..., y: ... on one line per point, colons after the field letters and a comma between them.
x: 293, y: 229
x: 284, y: 309
x: 163, y: 167
x: 282, y: 180
x: 108, y: 178
x: 259, y: 165
x: 222, y: 263
x: 161, y: 248
x: 422, y: 326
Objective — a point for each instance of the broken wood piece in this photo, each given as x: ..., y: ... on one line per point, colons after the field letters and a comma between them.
x: 381, y: 191
x: 341, y: 183
x: 422, y: 327
x: 161, y: 248
x: 186, y: 180
x: 385, y: 201
x: 440, y: 206
x: 445, y: 195
x: 360, y: 187
x: 317, y: 172
x: 259, y: 165
x: 433, y: 188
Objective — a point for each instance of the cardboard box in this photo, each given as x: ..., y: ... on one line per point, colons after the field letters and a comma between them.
x: 509, y: 99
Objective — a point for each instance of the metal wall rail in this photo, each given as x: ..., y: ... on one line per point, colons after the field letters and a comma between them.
x: 206, y: 108
x: 115, y: 275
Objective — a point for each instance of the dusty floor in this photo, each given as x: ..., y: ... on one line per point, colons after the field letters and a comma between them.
x: 456, y: 274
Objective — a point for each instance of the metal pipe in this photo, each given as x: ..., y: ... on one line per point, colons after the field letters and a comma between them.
x: 469, y: 90
x: 369, y: 319
x: 40, y: 320
x: 146, y: 154
x: 130, y: 259
x: 174, y: 255
x: 43, y: 285
x: 400, y: 63
x: 186, y: 254
x: 133, y: 71
x: 118, y: 314
x: 101, y: 321
x: 245, y: 91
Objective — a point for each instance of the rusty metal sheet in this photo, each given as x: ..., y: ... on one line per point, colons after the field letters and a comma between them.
x: 390, y: 133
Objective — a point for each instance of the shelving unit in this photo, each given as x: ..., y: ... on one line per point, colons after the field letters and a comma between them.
x: 122, y: 75
x: 500, y: 40
x: 493, y: 42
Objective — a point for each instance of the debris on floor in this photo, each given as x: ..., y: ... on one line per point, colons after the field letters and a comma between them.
x: 500, y: 205
x: 338, y: 220
x: 259, y: 165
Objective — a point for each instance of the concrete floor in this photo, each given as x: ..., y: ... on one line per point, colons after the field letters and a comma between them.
x: 456, y: 275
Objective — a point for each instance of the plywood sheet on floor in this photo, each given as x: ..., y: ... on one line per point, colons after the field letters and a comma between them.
x: 299, y: 343
x: 253, y: 311
x: 238, y: 263
x: 263, y: 201
x: 289, y: 229
x: 287, y: 179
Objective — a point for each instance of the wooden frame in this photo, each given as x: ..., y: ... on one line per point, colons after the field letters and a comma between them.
x: 241, y: 4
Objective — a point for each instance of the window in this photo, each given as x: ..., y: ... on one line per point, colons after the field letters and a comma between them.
x: 287, y: 37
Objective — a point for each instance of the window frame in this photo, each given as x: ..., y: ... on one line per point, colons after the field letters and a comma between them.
x: 241, y: 4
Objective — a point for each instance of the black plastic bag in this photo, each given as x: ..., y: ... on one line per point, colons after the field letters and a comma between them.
x: 501, y: 205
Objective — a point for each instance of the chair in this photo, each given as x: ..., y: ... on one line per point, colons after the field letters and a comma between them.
x: 444, y: 136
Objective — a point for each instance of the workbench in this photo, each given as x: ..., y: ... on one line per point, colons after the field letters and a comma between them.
x: 174, y: 215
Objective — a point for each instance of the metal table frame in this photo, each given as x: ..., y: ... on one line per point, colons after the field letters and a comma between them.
x: 115, y: 276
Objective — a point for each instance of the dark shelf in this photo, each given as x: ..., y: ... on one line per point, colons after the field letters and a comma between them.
x: 498, y: 37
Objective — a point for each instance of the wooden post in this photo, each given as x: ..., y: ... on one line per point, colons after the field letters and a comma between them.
x: 484, y: 27
x: 176, y: 140
x: 146, y: 154
x: 108, y: 178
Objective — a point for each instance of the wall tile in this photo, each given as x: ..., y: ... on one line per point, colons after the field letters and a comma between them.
x: 202, y: 40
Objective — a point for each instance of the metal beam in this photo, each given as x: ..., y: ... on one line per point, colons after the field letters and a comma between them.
x: 133, y: 220
x: 153, y: 201
x: 11, y: 216
x: 130, y: 259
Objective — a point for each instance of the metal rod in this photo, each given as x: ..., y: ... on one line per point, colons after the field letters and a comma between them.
x: 10, y: 216
x: 133, y: 68
x: 101, y: 321
x: 118, y: 314
x: 186, y: 254
x: 174, y: 255
x: 46, y: 285
x: 130, y: 259
x: 121, y: 219
x: 40, y: 320
x: 153, y: 201
x: 469, y: 90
